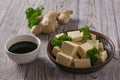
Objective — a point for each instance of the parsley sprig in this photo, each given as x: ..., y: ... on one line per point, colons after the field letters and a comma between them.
x: 58, y: 41
x: 86, y: 33
x: 32, y: 14
x: 92, y: 54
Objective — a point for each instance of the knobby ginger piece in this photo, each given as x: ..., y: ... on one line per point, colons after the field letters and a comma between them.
x: 64, y: 16
x: 37, y: 29
x: 49, y: 22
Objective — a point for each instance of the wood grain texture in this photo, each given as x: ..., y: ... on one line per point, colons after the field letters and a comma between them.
x: 101, y: 15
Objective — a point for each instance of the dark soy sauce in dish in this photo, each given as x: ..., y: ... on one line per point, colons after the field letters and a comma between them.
x: 23, y: 47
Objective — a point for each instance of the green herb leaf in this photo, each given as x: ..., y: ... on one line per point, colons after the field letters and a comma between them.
x: 58, y: 41
x: 32, y: 14
x: 86, y: 33
x: 92, y: 54
x: 32, y: 21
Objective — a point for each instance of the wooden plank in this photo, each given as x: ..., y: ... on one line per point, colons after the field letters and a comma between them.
x: 3, y: 9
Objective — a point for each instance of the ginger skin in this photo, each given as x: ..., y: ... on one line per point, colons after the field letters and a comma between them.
x: 49, y: 22
x: 37, y: 29
x: 64, y: 16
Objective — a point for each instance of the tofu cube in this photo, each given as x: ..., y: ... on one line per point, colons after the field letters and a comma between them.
x: 64, y: 59
x: 75, y: 35
x: 69, y: 48
x: 94, y: 43
x: 58, y: 35
x: 103, y: 56
x: 83, y: 49
x: 93, y: 36
x: 55, y: 50
x: 100, y: 47
x: 82, y: 63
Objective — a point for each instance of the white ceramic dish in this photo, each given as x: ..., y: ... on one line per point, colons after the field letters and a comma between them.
x: 23, y: 58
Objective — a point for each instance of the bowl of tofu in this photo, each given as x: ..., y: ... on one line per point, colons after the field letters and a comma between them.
x: 80, y: 50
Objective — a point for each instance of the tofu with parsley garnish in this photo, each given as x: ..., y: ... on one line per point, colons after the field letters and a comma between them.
x: 82, y: 63
x: 75, y: 35
x: 69, y: 48
x: 64, y: 59
x: 79, y: 49
x: 83, y: 48
x: 94, y: 43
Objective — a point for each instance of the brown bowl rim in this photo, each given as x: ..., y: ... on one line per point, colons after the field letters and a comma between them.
x: 92, y: 67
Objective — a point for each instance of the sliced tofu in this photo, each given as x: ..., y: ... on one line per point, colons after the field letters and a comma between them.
x: 64, y: 59
x: 101, y: 48
x: 94, y: 43
x: 82, y: 63
x: 75, y: 35
x: 58, y: 35
x: 93, y: 36
x: 103, y: 56
x: 83, y: 49
x: 69, y: 48
x: 55, y: 50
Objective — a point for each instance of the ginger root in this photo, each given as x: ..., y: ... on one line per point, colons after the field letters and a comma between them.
x: 64, y: 16
x: 49, y: 22
x: 36, y: 29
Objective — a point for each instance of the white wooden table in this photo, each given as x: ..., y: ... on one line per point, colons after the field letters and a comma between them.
x: 101, y: 15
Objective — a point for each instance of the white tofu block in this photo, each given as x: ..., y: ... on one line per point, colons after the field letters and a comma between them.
x: 94, y: 43
x: 55, y: 50
x: 101, y: 47
x: 83, y: 48
x: 93, y: 36
x: 75, y: 35
x: 82, y: 63
x: 58, y: 35
x: 103, y: 56
x: 69, y: 48
x: 64, y: 59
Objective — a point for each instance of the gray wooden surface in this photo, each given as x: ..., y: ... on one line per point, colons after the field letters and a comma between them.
x: 101, y: 15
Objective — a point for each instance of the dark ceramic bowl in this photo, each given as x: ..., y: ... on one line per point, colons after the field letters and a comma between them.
x: 108, y: 45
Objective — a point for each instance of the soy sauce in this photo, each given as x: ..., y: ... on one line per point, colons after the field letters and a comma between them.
x: 23, y: 47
